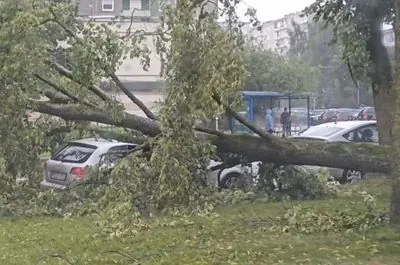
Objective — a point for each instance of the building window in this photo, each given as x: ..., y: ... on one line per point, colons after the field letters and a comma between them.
x: 126, y: 5
x: 145, y: 4
x: 107, y: 5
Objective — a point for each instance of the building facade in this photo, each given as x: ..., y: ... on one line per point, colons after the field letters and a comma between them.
x: 139, y: 15
x: 139, y: 8
x: 275, y: 34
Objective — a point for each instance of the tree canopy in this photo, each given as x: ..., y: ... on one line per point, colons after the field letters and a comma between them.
x: 269, y: 71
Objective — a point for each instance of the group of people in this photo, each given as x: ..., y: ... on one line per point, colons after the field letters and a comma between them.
x: 284, y: 120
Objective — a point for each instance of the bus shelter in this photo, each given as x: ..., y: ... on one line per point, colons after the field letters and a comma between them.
x: 273, y: 99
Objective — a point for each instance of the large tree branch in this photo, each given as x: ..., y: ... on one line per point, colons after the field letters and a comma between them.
x: 67, y: 73
x: 73, y: 113
x: 56, y: 97
x: 243, y: 121
x: 363, y: 157
x: 132, y: 97
x: 63, y: 96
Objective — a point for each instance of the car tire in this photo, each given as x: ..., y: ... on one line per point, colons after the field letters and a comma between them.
x: 349, y: 176
x: 234, y: 180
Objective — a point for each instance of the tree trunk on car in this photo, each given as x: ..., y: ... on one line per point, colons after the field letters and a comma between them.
x: 363, y: 157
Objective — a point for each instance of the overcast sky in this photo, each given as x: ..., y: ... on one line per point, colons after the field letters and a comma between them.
x: 274, y: 9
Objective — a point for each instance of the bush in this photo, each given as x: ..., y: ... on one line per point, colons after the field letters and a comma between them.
x: 294, y: 182
x: 310, y: 220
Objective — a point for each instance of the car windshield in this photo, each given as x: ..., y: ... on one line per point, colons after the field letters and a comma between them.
x: 74, y: 153
x: 320, y: 131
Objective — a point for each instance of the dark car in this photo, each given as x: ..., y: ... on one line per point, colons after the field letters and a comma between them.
x: 328, y: 116
x: 345, y: 114
x: 314, y: 116
x: 366, y: 113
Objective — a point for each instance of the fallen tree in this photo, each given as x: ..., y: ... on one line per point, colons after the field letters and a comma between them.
x: 363, y: 157
x: 65, y: 104
x: 204, y: 71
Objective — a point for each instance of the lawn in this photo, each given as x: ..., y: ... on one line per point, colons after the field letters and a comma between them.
x: 239, y: 234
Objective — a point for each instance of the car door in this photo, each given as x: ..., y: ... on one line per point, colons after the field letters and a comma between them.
x: 115, y: 154
x: 358, y: 135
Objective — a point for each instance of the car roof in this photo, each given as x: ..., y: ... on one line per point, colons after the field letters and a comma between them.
x: 347, y: 124
x: 344, y: 126
x: 99, y: 142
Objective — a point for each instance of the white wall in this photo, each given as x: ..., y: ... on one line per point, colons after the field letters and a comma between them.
x: 131, y: 69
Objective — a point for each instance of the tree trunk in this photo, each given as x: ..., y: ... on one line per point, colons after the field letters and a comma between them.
x: 283, y: 151
x: 381, y: 71
x: 363, y: 157
x: 384, y: 100
x: 395, y: 170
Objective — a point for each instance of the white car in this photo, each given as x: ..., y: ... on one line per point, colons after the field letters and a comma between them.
x: 232, y: 177
x: 343, y: 131
x: 73, y: 160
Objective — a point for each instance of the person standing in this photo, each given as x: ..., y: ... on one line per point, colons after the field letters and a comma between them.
x: 285, y: 121
x: 269, y: 122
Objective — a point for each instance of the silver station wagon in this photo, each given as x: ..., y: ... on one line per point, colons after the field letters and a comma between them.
x: 72, y: 161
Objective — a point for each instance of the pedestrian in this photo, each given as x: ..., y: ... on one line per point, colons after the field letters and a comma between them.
x: 285, y: 121
x: 269, y: 122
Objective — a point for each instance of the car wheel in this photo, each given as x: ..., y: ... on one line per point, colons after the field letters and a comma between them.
x: 234, y: 180
x: 350, y: 176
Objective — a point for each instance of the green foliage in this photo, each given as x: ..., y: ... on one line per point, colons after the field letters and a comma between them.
x: 271, y: 72
x: 201, y: 62
x: 354, y: 25
x: 238, y: 234
x: 309, y: 220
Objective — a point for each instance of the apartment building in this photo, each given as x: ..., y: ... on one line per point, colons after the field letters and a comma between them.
x: 275, y: 34
x: 139, y: 15
x: 141, y: 8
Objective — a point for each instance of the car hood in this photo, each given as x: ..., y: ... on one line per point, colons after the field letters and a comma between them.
x: 310, y: 138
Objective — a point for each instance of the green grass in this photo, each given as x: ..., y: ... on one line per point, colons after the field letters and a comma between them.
x: 239, y: 235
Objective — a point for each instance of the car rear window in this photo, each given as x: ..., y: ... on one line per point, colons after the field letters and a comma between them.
x: 321, y: 131
x: 74, y: 153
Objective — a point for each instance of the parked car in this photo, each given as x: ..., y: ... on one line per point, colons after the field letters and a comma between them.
x: 315, y: 116
x: 345, y: 114
x: 366, y: 113
x: 327, y: 116
x: 233, y: 177
x: 343, y: 131
x: 73, y: 160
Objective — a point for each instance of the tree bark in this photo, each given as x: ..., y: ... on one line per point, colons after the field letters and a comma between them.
x: 381, y: 72
x: 363, y: 157
x: 74, y: 113
x: 384, y: 100
x: 395, y: 157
